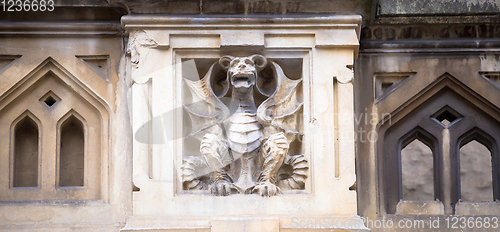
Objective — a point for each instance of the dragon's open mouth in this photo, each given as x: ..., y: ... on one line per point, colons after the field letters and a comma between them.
x: 243, y: 77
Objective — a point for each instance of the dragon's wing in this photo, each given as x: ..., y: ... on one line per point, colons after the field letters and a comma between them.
x: 205, y: 108
x: 282, y: 107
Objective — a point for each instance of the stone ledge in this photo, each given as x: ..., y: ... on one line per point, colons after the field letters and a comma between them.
x: 60, y: 29
x: 301, y: 223
x: 237, y: 21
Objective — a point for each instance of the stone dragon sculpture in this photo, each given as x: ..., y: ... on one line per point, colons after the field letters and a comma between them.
x: 248, y: 141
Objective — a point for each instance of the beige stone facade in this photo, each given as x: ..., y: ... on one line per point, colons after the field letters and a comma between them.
x: 63, y: 136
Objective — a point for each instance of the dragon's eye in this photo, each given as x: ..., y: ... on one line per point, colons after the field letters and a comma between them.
x: 249, y: 62
x: 235, y: 62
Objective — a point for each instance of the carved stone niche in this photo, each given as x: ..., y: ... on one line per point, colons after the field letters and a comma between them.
x: 63, y: 131
x: 245, y: 117
x: 53, y: 139
x: 241, y: 124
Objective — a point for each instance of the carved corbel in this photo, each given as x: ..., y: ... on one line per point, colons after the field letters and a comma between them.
x: 138, y: 48
x: 346, y: 74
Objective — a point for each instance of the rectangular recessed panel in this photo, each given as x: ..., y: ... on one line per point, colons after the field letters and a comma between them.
x: 289, y: 40
x: 242, y: 38
x: 195, y: 41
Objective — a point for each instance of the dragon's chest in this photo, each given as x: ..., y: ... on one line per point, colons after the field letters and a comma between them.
x: 243, y: 132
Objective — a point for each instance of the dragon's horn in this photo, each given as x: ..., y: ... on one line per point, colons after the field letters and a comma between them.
x: 259, y: 60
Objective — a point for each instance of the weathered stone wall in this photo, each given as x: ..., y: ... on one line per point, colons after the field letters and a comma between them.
x: 451, y: 7
x: 399, y: 38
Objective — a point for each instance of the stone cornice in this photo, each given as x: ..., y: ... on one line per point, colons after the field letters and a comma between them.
x: 237, y: 21
x: 60, y: 29
x: 431, y: 37
x: 162, y: 31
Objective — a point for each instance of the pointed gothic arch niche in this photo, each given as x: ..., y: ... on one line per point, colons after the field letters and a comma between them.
x: 71, y: 155
x: 416, y: 166
x: 417, y: 170
x: 78, y: 116
x: 410, y: 150
x: 479, y: 169
x: 453, y: 115
x: 25, y: 151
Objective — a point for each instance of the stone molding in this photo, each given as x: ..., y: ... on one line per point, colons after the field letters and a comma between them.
x: 60, y: 29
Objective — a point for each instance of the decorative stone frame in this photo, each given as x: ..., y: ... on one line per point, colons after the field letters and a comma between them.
x: 54, y: 49
x: 187, y: 54
x: 86, y: 147
x: 443, y: 95
x: 95, y: 157
x: 11, y: 158
x: 415, y: 100
x: 157, y: 45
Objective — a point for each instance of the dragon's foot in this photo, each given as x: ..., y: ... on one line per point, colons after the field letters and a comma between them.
x: 224, y: 188
x: 266, y: 188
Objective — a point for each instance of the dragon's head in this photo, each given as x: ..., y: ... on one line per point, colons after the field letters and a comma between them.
x: 242, y: 71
